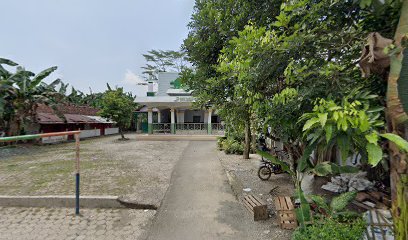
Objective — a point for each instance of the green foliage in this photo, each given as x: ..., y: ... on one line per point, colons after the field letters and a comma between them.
x: 163, y: 61
x: 321, y: 203
x: 327, y: 168
x: 274, y: 58
x: 348, y: 125
x: 336, y: 207
x: 399, y: 141
x: 352, y: 126
x: 329, y: 229
x: 231, y: 146
x: 220, y: 142
x: 340, y: 202
x: 276, y: 161
x: 119, y: 107
x: 20, y: 93
x: 303, y: 213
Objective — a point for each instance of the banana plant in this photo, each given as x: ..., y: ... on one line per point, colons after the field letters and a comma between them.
x: 337, y: 205
x: 303, y: 212
x: 351, y: 126
x: 21, y: 92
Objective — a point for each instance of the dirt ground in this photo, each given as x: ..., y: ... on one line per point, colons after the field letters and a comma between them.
x: 247, y: 172
x: 243, y: 175
x: 136, y: 170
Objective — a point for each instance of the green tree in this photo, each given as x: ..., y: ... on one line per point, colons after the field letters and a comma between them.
x: 211, y: 29
x: 21, y: 92
x: 119, y: 107
x: 163, y: 61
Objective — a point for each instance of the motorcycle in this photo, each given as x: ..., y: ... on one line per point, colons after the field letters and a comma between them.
x: 266, y: 167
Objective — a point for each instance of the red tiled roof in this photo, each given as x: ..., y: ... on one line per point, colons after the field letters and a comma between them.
x: 69, y: 109
x: 48, y: 118
x: 72, y: 114
x: 76, y: 118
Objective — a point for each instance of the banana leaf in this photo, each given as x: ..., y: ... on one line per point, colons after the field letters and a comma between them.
x: 274, y: 160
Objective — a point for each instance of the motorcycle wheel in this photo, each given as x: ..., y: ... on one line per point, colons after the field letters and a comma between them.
x: 264, y: 173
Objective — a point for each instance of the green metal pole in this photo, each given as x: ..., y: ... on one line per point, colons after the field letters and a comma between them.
x: 18, y: 138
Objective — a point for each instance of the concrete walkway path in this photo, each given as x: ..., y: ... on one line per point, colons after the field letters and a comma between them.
x: 199, y: 203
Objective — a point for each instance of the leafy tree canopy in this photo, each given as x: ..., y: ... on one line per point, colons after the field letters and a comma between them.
x: 119, y: 107
x: 163, y: 61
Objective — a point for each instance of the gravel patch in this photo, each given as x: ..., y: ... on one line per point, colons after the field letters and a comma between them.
x: 242, y: 175
x: 138, y: 171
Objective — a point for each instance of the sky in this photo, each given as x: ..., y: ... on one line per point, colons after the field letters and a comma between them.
x: 93, y: 42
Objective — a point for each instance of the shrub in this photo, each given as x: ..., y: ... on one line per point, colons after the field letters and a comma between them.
x: 330, y: 229
x: 220, y: 142
x: 238, y: 136
x: 232, y: 146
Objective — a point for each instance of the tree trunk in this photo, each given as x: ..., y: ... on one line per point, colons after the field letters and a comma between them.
x: 121, y: 133
x: 15, y: 126
x: 396, y: 117
x: 247, y: 146
x: 253, y: 142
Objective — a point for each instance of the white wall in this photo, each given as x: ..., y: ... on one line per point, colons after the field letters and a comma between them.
x: 54, y: 139
x: 90, y: 133
x: 164, y: 82
x: 109, y: 131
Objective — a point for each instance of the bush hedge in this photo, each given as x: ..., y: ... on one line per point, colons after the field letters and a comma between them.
x: 230, y: 146
x: 330, y: 229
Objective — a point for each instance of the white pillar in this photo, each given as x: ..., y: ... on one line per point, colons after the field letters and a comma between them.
x: 180, y: 116
x: 149, y: 121
x: 173, y: 121
x: 159, y: 117
x: 209, y: 121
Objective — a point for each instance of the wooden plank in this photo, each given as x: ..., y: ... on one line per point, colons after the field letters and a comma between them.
x: 248, y: 206
x: 289, y: 202
x: 281, y: 203
x: 256, y: 200
x: 286, y: 214
x: 252, y: 200
x: 292, y: 225
x: 286, y: 218
x: 285, y: 211
x: 256, y: 207
x: 248, y: 201
x: 277, y: 204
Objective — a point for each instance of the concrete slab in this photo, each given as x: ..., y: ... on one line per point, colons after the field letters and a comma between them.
x: 69, y: 202
x: 200, y: 203
x: 146, y: 137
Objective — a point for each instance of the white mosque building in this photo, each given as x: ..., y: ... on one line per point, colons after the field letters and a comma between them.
x: 170, y: 110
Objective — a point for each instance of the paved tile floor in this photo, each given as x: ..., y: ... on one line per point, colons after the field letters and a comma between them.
x: 61, y: 223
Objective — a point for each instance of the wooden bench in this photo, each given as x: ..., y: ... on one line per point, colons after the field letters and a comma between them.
x: 256, y: 206
x: 286, y: 212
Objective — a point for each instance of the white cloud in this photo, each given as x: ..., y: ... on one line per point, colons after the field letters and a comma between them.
x: 132, y: 79
x: 139, y: 84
